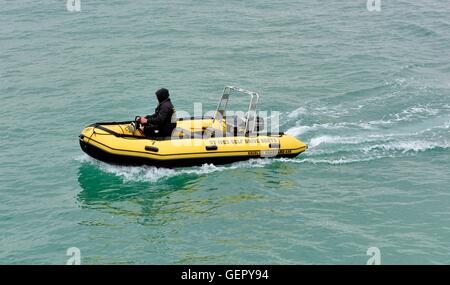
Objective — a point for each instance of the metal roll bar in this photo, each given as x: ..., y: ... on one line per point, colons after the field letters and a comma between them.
x: 250, y: 120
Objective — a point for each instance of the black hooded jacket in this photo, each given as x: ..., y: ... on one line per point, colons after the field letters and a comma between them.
x: 163, y: 119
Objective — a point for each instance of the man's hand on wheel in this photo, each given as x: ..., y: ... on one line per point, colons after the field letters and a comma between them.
x: 141, y: 127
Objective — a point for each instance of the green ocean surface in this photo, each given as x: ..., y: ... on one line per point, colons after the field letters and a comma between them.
x: 369, y: 92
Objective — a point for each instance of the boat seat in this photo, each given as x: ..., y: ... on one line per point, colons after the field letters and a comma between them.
x: 211, y: 133
x: 184, y: 133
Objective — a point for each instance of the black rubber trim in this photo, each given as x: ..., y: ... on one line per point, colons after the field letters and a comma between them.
x: 192, y: 153
x: 179, y: 119
x: 109, y: 131
x: 152, y: 148
x: 101, y: 127
x: 280, y: 134
x: 274, y: 145
x: 110, y: 123
x: 105, y: 156
x: 211, y: 147
x: 195, y: 118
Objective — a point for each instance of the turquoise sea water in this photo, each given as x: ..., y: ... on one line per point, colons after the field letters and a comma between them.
x: 368, y: 91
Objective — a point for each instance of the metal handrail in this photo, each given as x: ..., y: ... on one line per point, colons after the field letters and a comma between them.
x: 252, y: 108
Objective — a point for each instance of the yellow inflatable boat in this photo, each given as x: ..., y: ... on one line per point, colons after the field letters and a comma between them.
x: 195, y: 141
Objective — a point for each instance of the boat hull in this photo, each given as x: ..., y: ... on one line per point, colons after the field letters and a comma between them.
x: 108, y: 157
x: 111, y: 144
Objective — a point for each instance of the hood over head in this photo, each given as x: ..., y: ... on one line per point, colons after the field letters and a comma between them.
x: 162, y: 94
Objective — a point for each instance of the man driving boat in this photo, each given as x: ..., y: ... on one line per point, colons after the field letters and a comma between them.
x: 163, y: 121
